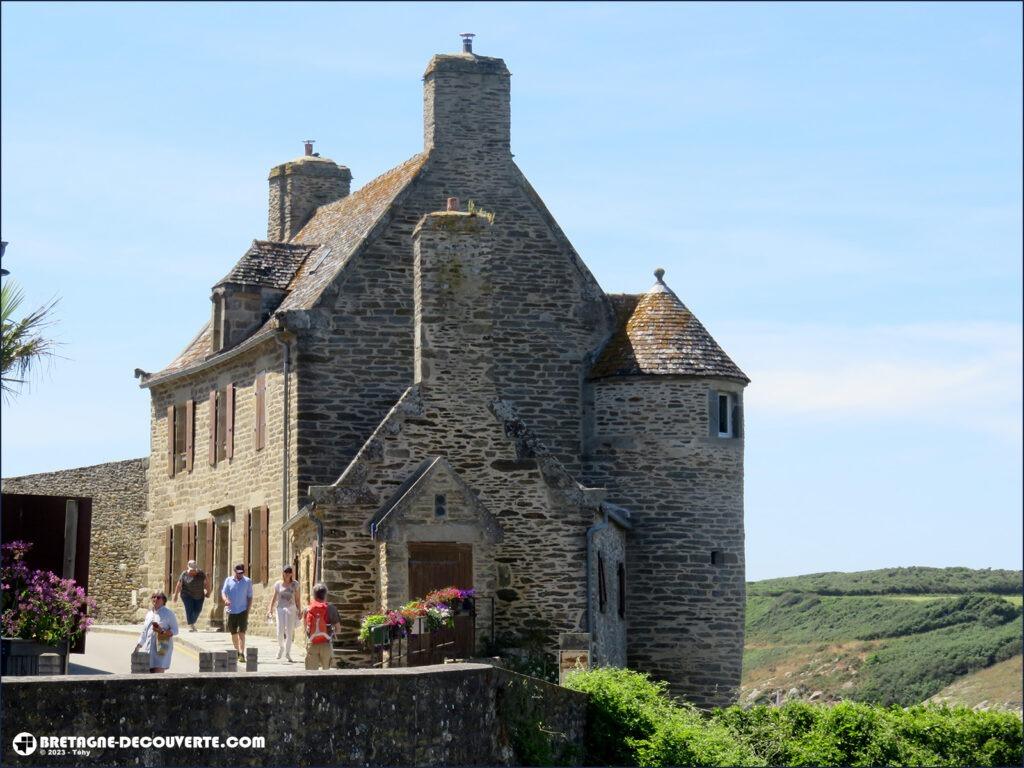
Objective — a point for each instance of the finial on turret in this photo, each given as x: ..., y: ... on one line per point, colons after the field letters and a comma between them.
x: 467, y: 41
x: 659, y: 273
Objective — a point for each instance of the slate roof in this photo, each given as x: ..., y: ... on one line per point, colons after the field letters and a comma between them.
x: 268, y: 263
x: 328, y: 240
x: 657, y: 335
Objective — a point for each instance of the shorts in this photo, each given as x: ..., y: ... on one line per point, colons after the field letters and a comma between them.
x: 319, y: 656
x: 238, y: 622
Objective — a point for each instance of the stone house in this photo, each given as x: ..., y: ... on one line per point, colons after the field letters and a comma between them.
x: 395, y: 393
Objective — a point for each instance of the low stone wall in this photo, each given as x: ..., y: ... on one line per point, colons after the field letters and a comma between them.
x: 118, y: 493
x: 453, y: 714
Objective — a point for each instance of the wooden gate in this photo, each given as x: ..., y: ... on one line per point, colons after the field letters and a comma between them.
x: 433, y: 566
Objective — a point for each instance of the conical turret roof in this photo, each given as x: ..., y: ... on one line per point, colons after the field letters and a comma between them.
x: 657, y: 335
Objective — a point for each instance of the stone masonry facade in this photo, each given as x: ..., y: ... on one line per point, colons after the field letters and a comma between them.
x: 116, y: 563
x: 427, y: 362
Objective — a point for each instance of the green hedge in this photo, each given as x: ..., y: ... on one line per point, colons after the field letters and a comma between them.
x: 633, y: 721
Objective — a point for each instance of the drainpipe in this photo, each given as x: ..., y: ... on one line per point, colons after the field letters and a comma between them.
x: 286, y: 351
x: 595, y: 528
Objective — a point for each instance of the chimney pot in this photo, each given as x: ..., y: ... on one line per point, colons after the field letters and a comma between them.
x: 467, y: 41
x: 453, y: 203
x: 309, y: 146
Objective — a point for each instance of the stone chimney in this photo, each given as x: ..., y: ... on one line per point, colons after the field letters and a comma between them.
x: 466, y: 104
x: 452, y: 291
x: 298, y: 188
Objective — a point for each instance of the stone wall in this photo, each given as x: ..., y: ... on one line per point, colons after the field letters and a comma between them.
x: 118, y: 491
x: 548, y: 311
x: 607, y: 627
x: 457, y: 714
x: 248, y: 480
x: 652, y: 449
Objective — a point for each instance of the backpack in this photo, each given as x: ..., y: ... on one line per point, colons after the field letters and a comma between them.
x: 317, y: 623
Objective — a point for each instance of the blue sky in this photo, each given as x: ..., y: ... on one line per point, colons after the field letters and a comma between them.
x: 835, y: 190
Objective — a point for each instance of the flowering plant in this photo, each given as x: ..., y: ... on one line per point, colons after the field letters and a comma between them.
x: 40, y: 605
x: 368, y: 624
x: 437, y: 608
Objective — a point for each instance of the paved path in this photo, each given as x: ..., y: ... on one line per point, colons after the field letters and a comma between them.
x: 187, y: 644
x: 109, y: 653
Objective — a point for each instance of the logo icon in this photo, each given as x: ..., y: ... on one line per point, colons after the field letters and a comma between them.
x: 24, y: 744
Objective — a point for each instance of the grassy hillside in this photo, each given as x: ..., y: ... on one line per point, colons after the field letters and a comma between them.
x: 866, y: 639
x: 889, y: 581
x: 996, y: 686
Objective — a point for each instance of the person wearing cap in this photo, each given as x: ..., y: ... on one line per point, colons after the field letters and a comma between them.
x: 194, y: 587
x: 237, y: 595
x: 286, y: 598
x: 158, y: 631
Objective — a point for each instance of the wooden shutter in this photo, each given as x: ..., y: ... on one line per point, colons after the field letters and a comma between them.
x: 265, y: 543
x: 712, y: 413
x: 212, y: 458
x: 182, y: 547
x: 259, y: 423
x: 229, y: 404
x: 737, y: 417
x: 190, y: 433
x: 169, y: 559
x: 208, y: 559
x: 170, y: 441
x: 602, y: 589
x: 245, y: 544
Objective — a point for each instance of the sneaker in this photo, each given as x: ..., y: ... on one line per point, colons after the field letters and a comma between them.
x: 241, y: 656
x: 191, y: 627
x: 279, y: 653
x: 290, y: 659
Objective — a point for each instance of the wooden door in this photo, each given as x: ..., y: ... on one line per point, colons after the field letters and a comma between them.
x: 434, y: 566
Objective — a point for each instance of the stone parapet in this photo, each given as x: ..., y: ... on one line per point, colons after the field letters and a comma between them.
x: 454, y: 714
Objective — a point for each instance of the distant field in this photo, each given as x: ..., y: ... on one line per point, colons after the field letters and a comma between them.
x: 894, y: 645
x: 915, y: 581
x: 1015, y: 599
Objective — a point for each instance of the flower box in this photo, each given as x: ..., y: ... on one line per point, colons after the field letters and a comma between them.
x: 20, y: 658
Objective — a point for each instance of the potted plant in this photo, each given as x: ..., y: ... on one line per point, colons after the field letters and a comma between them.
x: 39, y: 612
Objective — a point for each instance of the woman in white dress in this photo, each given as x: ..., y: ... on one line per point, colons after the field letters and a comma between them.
x: 158, y: 633
x: 286, y: 598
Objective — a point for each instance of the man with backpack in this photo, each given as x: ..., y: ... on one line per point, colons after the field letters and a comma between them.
x: 321, y: 621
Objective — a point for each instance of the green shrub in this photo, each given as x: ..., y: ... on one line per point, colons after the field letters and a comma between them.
x: 856, y: 734
x: 685, y: 737
x: 624, y: 707
x: 633, y: 721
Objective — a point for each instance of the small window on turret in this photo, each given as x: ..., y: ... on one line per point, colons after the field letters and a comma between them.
x: 724, y: 414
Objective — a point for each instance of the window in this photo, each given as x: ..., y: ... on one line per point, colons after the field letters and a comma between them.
x: 255, y: 544
x: 622, y: 590
x: 180, y: 433
x: 222, y: 424
x: 602, y: 590
x: 440, y: 505
x: 724, y: 414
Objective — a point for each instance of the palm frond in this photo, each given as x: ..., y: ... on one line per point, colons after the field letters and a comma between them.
x: 24, y: 345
